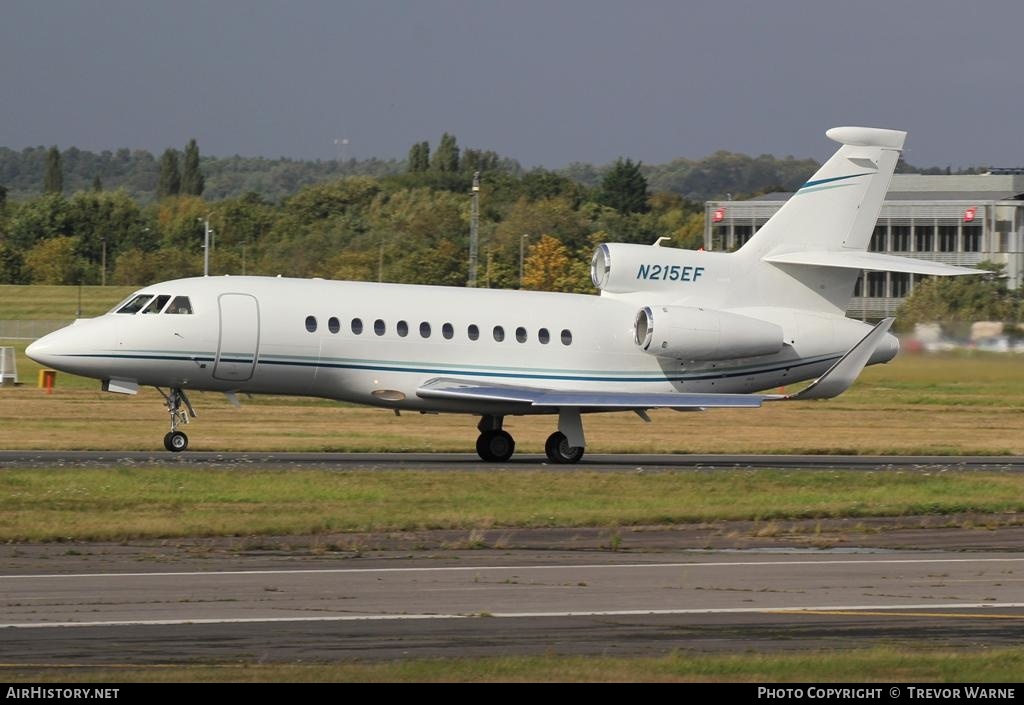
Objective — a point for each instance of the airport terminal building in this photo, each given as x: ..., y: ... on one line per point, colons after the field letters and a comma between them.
x: 961, y: 220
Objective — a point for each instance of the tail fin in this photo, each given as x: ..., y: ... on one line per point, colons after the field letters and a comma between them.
x: 837, y: 208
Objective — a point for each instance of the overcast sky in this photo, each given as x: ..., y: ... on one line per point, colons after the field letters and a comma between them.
x: 546, y: 82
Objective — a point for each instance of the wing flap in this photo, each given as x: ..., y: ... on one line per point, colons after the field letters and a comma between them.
x: 463, y: 390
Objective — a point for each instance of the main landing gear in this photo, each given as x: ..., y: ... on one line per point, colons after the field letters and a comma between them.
x: 175, y: 440
x: 495, y: 445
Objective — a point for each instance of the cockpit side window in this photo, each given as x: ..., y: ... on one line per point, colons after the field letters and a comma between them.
x: 157, y: 304
x: 181, y: 304
x: 136, y: 304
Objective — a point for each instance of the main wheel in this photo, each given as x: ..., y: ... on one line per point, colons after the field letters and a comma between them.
x: 559, y: 451
x: 495, y: 446
x: 175, y: 441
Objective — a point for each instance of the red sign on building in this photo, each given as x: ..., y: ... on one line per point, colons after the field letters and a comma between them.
x: 969, y: 214
x: 718, y: 215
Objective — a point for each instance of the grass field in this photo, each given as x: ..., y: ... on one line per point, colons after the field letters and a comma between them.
x: 57, y: 302
x: 127, y: 503
x: 878, y: 665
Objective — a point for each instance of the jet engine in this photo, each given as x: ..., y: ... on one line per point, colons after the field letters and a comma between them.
x: 689, y: 333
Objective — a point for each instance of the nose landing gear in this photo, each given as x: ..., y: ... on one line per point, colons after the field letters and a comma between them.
x: 175, y: 440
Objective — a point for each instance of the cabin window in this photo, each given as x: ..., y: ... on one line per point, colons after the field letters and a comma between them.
x: 311, y: 324
x: 180, y: 304
x: 543, y: 336
x: 333, y: 324
x: 521, y: 334
x: 402, y: 328
x: 379, y: 328
x: 136, y: 304
x: 472, y: 331
x: 157, y: 304
x: 499, y: 333
x: 357, y: 326
x: 424, y: 330
x: 447, y: 331
x: 566, y: 337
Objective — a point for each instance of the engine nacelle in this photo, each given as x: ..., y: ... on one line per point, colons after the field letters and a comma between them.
x: 619, y: 268
x: 689, y: 333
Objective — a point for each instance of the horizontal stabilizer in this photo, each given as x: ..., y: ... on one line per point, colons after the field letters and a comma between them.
x: 844, y: 373
x: 872, y: 261
x: 460, y: 390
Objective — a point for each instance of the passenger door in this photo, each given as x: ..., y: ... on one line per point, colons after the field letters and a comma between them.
x: 239, y: 337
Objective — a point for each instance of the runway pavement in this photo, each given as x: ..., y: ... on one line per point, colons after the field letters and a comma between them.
x: 390, y: 605
x: 470, y: 461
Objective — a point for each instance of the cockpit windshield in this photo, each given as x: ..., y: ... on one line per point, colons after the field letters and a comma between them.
x: 148, y: 303
x: 136, y: 304
x: 157, y: 304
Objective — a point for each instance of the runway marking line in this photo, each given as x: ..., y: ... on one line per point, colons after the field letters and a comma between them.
x: 838, y: 609
x: 858, y: 613
x: 596, y: 566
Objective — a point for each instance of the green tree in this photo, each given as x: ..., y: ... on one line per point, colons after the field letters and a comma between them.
x: 192, y: 181
x: 55, y: 261
x: 97, y: 184
x: 10, y: 265
x: 419, y: 157
x: 170, y: 177
x: 624, y: 188
x: 54, y: 180
x: 954, y: 301
x: 446, y: 158
x: 3, y: 197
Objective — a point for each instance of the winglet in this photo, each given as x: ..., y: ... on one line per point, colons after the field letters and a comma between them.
x: 841, y: 375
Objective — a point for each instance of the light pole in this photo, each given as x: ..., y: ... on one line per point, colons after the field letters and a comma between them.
x: 522, y: 243
x: 474, y: 231
x: 206, y: 243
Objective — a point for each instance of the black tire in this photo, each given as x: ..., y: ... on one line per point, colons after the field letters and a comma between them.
x: 495, y: 446
x: 560, y: 452
x: 176, y: 441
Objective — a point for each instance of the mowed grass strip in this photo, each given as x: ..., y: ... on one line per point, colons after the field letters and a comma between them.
x: 116, y: 504
x: 878, y: 665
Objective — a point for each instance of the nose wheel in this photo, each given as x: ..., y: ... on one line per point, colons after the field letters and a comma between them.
x: 175, y: 441
x: 175, y: 398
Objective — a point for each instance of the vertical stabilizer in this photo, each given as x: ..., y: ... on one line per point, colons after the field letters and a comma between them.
x: 836, y: 208
x: 834, y: 211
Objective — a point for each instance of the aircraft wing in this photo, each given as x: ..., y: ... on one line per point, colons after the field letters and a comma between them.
x: 468, y: 390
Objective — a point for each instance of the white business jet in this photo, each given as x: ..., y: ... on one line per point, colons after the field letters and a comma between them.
x: 672, y: 328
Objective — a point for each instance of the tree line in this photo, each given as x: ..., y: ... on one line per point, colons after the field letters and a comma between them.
x: 537, y: 227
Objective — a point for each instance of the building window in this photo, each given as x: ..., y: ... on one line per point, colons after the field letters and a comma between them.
x: 972, y: 239
x: 499, y: 333
x: 543, y: 336
x: 379, y: 327
x: 858, y: 288
x: 947, y: 238
x: 311, y: 324
x: 876, y: 284
x: 900, y: 238
x: 333, y: 324
x: 424, y: 330
x: 403, y: 329
x: 924, y: 238
x: 447, y: 331
x: 521, y: 334
x: 566, y: 337
x: 877, y: 239
x: 472, y: 331
x: 900, y: 284
x: 742, y: 233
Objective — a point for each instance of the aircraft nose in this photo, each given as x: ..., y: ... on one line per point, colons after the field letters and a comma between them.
x: 39, y: 351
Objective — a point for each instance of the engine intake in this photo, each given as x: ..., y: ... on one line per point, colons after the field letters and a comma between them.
x: 689, y: 333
